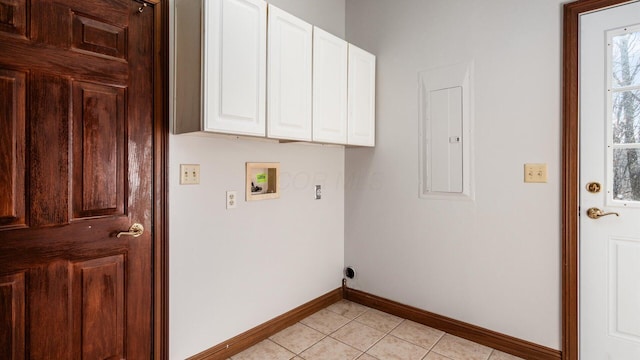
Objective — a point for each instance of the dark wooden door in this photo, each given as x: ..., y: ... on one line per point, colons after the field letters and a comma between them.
x: 76, y: 158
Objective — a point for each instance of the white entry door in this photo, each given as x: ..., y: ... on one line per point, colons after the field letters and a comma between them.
x: 610, y: 184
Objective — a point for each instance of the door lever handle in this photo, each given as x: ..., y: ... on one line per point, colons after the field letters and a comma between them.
x: 135, y: 230
x: 596, y: 213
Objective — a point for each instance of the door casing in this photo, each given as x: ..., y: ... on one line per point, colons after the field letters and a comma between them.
x: 160, y: 345
x: 570, y: 170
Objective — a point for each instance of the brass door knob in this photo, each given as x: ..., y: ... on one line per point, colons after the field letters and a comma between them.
x: 596, y: 213
x: 135, y: 230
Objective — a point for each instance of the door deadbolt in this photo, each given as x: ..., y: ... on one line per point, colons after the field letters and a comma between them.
x: 594, y: 187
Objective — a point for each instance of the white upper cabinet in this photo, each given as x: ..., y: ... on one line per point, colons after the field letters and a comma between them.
x: 235, y: 66
x: 247, y: 68
x: 289, y: 76
x: 223, y: 90
x: 329, y: 88
x: 361, y: 97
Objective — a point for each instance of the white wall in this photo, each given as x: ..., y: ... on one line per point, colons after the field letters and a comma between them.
x: 231, y: 270
x: 493, y: 262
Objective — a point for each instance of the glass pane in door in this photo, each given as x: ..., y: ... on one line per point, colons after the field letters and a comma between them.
x: 626, y: 59
x: 626, y: 174
x: 624, y: 116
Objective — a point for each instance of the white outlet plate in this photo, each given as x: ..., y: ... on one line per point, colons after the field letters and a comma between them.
x: 189, y: 174
x: 535, y: 173
x: 232, y: 199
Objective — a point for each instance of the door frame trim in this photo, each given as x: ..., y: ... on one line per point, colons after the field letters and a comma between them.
x: 570, y: 170
x: 160, y: 295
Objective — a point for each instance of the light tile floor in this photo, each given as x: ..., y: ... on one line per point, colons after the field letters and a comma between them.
x: 346, y: 331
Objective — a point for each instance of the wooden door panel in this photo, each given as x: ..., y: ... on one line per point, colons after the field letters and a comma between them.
x: 85, y: 66
x: 98, y: 293
x: 12, y: 145
x: 55, y: 33
x: 89, y: 27
x: 115, y: 12
x: 98, y: 36
x: 81, y: 240
x: 12, y: 325
x: 48, y: 304
x: 76, y: 126
x: 61, y: 32
x: 49, y: 151
x: 98, y: 154
x: 13, y: 17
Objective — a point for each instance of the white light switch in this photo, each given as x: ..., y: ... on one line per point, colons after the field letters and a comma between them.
x: 189, y: 174
x: 535, y: 173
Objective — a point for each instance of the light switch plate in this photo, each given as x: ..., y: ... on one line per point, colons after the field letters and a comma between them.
x: 189, y: 174
x: 535, y: 173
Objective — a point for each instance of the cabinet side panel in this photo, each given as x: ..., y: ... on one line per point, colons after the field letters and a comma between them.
x: 188, y: 30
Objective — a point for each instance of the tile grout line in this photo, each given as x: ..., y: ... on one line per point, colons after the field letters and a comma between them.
x: 385, y: 334
x: 487, y: 358
x: 355, y: 320
x: 329, y: 335
x: 389, y: 333
x: 430, y: 350
x: 294, y: 354
x: 349, y: 322
x: 310, y: 346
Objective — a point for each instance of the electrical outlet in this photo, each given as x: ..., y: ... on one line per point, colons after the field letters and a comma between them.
x: 535, y: 173
x: 318, y: 192
x: 189, y: 174
x: 232, y: 199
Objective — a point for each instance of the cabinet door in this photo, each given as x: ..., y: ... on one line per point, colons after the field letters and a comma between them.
x: 234, y: 81
x: 361, y: 97
x: 329, y: 88
x: 289, y: 79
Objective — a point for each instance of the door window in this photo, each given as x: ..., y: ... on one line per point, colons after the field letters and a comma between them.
x: 624, y: 116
